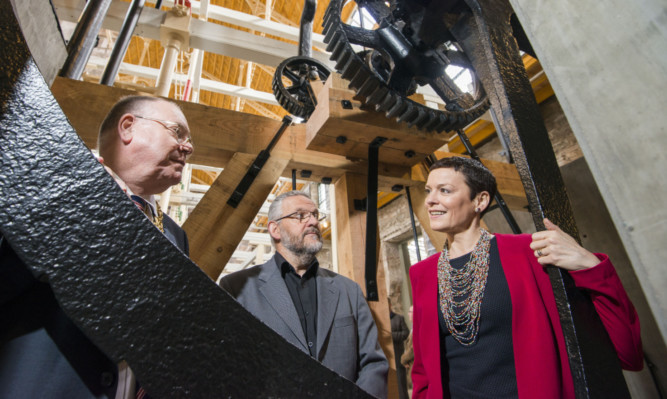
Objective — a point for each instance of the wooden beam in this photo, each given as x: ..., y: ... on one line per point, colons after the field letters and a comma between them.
x: 217, y: 133
x: 351, y: 236
x: 359, y: 126
x: 215, y: 228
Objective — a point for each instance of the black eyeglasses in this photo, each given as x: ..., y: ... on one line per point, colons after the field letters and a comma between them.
x: 304, y: 216
x: 182, y: 137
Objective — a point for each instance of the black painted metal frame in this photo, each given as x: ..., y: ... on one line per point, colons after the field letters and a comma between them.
x: 133, y: 293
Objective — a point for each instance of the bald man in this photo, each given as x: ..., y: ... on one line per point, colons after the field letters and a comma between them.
x: 144, y: 143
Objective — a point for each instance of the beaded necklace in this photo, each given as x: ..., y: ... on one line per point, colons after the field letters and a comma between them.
x: 461, y: 290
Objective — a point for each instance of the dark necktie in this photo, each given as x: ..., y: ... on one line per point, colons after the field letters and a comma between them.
x: 146, y: 209
x: 142, y: 205
x: 141, y: 393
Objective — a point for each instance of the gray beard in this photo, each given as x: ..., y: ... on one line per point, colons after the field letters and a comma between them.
x: 305, y: 252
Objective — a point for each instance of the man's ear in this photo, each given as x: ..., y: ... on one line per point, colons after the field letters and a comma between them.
x: 125, y: 131
x: 274, y: 230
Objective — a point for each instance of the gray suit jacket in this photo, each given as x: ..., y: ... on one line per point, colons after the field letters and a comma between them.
x: 346, y: 333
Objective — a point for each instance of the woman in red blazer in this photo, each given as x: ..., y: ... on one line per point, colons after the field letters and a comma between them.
x: 485, y: 319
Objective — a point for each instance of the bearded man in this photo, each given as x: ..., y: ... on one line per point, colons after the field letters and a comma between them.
x: 322, y: 313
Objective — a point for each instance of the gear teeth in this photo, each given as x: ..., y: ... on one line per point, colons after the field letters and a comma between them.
x: 377, y: 95
x: 350, y: 68
x: 331, y: 15
x: 295, y: 104
x: 398, y: 107
x: 433, y: 122
x: 442, y: 123
x: 343, y: 57
x: 373, y: 89
x: 336, y: 45
x: 419, y: 119
x: 366, y: 86
x: 385, y: 102
x: 408, y: 114
x: 328, y: 35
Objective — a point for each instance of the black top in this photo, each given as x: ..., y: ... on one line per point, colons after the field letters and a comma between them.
x: 303, y: 290
x: 486, y: 368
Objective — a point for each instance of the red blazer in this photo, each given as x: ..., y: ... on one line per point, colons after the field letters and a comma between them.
x: 540, y: 357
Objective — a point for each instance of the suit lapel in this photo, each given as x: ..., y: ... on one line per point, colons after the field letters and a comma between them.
x: 327, y: 303
x: 275, y: 292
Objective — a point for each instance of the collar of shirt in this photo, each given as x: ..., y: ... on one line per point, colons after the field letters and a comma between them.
x: 285, y: 267
x: 150, y: 201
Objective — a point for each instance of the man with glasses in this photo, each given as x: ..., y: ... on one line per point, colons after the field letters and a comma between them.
x: 320, y: 312
x: 144, y: 143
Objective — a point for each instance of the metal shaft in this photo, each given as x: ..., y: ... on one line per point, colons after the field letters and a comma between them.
x: 84, y: 38
x: 122, y: 42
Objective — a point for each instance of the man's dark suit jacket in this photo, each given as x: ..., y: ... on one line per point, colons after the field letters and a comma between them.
x: 346, y: 334
x: 42, y: 353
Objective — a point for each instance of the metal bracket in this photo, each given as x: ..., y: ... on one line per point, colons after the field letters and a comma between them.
x: 256, y: 167
x: 372, y: 219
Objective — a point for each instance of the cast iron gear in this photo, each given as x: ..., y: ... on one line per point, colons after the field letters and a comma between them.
x: 410, y: 46
x: 298, y: 98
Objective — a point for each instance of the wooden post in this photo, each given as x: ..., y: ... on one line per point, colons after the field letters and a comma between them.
x: 351, y: 236
x: 215, y: 228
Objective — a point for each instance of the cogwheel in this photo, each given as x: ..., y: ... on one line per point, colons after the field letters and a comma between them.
x: 394, y: 61
x: 297, y: 97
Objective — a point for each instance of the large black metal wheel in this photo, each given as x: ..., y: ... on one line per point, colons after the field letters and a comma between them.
x: 292, y: 84
x: 410, y: 46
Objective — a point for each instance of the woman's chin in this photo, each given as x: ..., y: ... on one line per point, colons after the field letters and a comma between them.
x: 439, y: 227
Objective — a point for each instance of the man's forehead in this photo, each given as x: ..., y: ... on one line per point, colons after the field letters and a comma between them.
x: 299, y: 202
x: 165, y: 110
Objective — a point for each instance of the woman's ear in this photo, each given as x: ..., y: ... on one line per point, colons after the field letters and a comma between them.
x: 125, y: 131
x: 482, y: 201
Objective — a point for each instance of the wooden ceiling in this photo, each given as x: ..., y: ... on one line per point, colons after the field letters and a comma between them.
x: 149, y: 53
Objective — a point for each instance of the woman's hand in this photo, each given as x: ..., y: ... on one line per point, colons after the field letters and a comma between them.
x: 553, y: 247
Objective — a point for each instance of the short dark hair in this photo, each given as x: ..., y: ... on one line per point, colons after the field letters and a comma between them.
x: 125, y: 105
x: 477, y: 177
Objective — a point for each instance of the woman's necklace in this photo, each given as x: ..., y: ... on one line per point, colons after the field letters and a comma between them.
x: 461, y: 290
